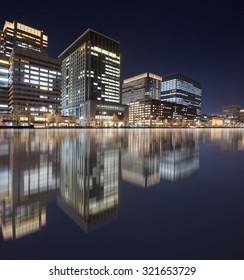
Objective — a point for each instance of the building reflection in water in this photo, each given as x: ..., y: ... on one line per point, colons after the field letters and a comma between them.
x: 140, y: 158
x: 228, y: 139
x: 179, y: 155
x: 152, y: 155
x: 90, y: 163
x: 81, y: 168
x: 29, y: 172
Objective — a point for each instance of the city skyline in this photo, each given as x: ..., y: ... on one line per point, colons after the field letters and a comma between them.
x: 202, y: 40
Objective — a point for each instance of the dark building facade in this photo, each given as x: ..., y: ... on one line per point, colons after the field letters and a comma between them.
x: 144, y: 86
x: 90, y: 73
x: 231, y: 113
x: 181, y: 89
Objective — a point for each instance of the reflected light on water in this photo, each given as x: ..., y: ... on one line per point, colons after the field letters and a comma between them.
x: 82, y: 170
x: 90, y: 164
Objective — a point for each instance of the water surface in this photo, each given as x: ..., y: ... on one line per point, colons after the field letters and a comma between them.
x: 122, y: 194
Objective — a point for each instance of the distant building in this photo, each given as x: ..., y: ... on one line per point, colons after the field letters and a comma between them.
x: 1, y: 42
x: 144, y: 86
x: 91, y: 74
x: 30, y: 81
x: 153, y: 112
x: 242, y: 115
x: 231, y: 113
x: 216, y: 121
x: 181, y: 89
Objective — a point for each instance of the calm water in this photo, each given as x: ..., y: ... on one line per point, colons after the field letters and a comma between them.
x: 122, y: 194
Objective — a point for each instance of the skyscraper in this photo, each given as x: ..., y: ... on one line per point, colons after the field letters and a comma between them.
x: 4, y: 75
x: 15, y: 34
x: 91, y: 84
x: 35, y: 82
x: 181, y: 89
x: 30, y: 81
x: 144, y: 86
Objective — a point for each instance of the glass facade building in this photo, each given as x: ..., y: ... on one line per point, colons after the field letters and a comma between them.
x: 231, y: 112
x: 90, y: 73
x: 181, y: 89
x: 144, y: 86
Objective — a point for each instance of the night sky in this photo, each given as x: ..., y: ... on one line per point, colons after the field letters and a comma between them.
x: 203, y: 39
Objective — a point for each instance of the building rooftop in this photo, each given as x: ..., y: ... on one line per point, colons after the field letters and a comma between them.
x: 25, y: 28
x: 80, y: 41
x: 141, y: 76
x: 181, y: 76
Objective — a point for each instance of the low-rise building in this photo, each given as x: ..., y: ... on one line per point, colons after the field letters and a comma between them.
x: 153, y: 112
x: 242, y: 115
x: 216, y: 121
x: 231, y: 113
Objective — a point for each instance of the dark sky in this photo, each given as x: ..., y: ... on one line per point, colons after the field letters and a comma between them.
x: 203, y: 39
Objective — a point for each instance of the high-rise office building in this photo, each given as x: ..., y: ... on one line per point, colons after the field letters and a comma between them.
x: 144, y: 86
x: 15, y: 34
x: 1, y: 41
x: 35, y: 82
x: 181, y: 89
x: 91, y: 84
x: 4, y: 75
x: 30, y: 81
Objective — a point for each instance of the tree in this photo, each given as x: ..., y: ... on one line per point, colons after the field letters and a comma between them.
x: 58, y: 119
x: 115, y: 119
x: 49, y: 118
x: 17, y: 114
